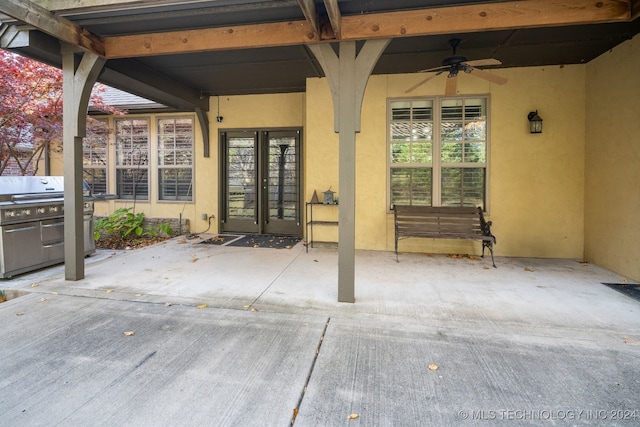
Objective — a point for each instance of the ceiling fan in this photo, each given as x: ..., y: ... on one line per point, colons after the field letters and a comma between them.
x: 456, y: 63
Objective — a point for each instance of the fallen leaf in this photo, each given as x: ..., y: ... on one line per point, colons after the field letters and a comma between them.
x: 254, y: 309
x: 629, y: 340
x: 194, y: 259
x: 34, y: 285
x: 353, y: 416
x: 168, y: 304
x: 246, y: 306
x: 201, y: 306
x: 288, y: 247
x: 54, y: 293
x: 256, y: 246
x: 625, y: 280
x: 486, y: 268
x: 181, y: 241
x: 43, y: 299
x: 295, y: 413
x: 129, y: 333
x: 138, y: 295
x: 108, y: 291
x: 20, y: 313
x: 433, y: 367
x: 528, y: 269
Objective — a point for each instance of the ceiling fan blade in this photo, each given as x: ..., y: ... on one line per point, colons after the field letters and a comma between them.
x: 488, y: 76
x: 452, y: 85
x: 483, y: 62
x: 412, y: 88
x: 441, y: 68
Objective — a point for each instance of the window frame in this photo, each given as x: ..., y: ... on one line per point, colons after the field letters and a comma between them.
x: 159, y: 166
x: 436, y: 164
x: 147, y: 167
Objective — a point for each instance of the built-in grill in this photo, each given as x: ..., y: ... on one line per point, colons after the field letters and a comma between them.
x: 32, y: 223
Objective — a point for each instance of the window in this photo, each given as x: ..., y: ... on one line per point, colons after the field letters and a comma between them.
x: 175, y: 159
x: 132, y: 159
x: 94, y: 155
x: 438, y: 152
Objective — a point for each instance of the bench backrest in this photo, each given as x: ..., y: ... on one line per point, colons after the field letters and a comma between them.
x: 438, y: 222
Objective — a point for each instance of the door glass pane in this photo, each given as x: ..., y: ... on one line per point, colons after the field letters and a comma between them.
x: 282, y: 180
x: 241, y: 178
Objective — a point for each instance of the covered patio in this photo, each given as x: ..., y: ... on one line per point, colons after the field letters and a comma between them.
x: 185, y: 55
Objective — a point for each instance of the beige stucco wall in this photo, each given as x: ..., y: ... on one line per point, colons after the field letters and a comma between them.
x: 612, y: 193
x: 536, y: 181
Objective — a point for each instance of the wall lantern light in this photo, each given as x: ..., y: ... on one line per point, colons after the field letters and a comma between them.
x: 535, y: 122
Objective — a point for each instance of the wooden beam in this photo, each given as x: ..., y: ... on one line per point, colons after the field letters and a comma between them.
x: 431, y: 21
x: 334, y: 16
x: 635, y: 9
x: 484, y: 17
x: 210, y: 39
x: 56, y: 26
x: 309, y: 11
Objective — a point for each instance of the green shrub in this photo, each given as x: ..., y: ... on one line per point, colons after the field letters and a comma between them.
x: 125, y: 225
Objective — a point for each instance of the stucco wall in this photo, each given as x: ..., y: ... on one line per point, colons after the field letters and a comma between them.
x: 536, y: 181
x: 612, y: 193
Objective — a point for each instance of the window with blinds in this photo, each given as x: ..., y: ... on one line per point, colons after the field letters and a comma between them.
x: 132, y: 159
x: 438, y: 152
x: 175, y: 158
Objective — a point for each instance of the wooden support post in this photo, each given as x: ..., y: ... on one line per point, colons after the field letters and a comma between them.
x: 347, y: 74
x: 80, y: 72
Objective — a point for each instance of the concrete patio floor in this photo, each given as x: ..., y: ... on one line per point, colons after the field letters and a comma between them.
x: 533, y: 342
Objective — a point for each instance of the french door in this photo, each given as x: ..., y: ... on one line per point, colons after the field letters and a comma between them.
x: 260, y: 182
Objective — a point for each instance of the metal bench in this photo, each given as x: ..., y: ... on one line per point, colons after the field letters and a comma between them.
x: 443, y: 223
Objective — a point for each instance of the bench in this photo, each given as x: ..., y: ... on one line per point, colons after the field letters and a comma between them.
x: 443, y: 223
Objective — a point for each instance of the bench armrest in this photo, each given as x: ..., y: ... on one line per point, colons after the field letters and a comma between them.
x: 485, y: 225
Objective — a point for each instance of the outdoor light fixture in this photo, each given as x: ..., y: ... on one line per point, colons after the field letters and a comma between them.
x: 219, y: 118
x: 535, y: 122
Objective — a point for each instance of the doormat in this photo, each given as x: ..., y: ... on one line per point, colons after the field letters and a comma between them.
x: 629, y: 289
x: 253, y: 241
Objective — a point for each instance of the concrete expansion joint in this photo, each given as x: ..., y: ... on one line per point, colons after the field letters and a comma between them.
x: 313, y: 364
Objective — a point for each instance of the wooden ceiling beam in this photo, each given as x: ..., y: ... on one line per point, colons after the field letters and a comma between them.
x: 428, y: 21
x: 635, y: 9
x: 210, y: 39
x: 444, y: 20
x: 485, y: 17
x: 309, y: 11
x: 335, y: 17
x: 61, y: 28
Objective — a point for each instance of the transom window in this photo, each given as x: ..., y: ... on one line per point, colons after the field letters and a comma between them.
x: 438, y: 152
x: 175, y: 158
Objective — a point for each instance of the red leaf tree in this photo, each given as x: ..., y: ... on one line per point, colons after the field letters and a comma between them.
x: 31, y: 112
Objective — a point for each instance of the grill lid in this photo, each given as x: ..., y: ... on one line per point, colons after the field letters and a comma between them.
x: 17, y: 188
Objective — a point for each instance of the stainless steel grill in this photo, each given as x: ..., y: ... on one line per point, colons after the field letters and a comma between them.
x: 32, y: 223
